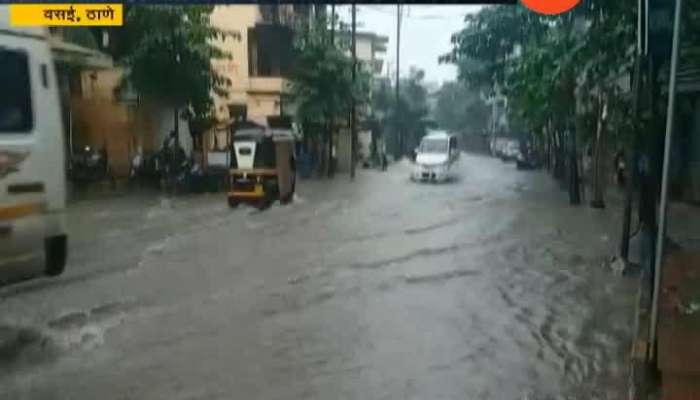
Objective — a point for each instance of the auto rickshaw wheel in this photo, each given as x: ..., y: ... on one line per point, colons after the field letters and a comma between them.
x: 263, y: 204
x: 56, y: 253
x: 288, y: 198
x: 233, y: 203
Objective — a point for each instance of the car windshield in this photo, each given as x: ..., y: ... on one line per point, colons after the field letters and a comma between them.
x: 433, y: 146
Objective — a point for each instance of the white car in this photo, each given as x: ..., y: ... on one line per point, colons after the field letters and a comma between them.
x: 436, y: 158
x: 511, y: 151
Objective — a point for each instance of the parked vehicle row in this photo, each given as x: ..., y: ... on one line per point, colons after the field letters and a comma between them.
x: 509, y: 149
x: 506, y: 149
x: 88, y: 165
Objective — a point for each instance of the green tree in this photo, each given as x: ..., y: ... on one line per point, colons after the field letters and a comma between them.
x: 402, y: 133
x: 413, y: 110
x: 560, y: 73
x: 460, y: 109
x: 382, y: 100
x: 169, y: 52
x: 321, y: 86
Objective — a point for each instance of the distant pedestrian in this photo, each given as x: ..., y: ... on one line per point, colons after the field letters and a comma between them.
x: 620, y: 168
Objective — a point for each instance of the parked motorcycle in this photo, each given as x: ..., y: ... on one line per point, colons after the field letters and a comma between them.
x: 175, y: 168
x: 89, y: 165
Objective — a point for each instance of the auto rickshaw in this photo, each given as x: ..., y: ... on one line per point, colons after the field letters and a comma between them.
x: 263, y: 167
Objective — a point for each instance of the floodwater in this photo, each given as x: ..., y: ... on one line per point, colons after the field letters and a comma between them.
x: 490, y: 287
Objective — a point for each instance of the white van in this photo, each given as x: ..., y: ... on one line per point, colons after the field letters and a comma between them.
x: 436, y: 158
x: 32, y: 159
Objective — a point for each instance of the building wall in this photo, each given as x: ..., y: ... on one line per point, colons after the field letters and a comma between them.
x: 100, y: 84
x: 261, y: 95
x: 236, y: 18
x: 98, y: 119
x: 262, y: 105
x: 363, y: 47
x: 99, y: 124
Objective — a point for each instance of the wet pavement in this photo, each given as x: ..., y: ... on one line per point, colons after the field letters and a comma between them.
x: 490, y: 287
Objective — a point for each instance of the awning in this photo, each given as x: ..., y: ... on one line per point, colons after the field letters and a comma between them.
x: 78, y: 56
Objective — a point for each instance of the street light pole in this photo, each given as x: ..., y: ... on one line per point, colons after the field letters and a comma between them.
x: 333, y: 24
x: 353, y: 111
x: 399, y: 136
x: 331, y: 133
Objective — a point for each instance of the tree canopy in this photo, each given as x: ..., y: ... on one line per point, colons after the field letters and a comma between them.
x: 321, y: 88
x: 564, y: 76
x: 545, y: 64
x: 169, y: 52
x: 461, y: 109
x: 321, y: 85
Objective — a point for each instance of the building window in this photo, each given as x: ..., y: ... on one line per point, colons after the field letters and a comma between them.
x: 238, y: 112
x: 269, y: 50
x: 15, y: 98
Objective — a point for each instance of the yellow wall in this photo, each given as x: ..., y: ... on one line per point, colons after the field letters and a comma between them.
x: 99, y: 120
x: 100, y: 84
x: 98, y: 123
x: 236, y: 18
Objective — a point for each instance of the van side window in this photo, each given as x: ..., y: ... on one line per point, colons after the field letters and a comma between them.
x: 15, y: 96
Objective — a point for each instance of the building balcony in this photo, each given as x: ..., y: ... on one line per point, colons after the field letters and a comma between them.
x: 267, y: 85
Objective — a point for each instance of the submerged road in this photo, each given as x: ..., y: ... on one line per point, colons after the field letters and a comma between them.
x: 490, y: 287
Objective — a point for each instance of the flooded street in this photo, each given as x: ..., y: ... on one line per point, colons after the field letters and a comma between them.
x: 490, y: 287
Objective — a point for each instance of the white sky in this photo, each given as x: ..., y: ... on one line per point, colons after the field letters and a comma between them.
x: 425, y: 34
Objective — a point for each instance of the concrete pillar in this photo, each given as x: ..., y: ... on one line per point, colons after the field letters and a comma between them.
x: 694, y: 154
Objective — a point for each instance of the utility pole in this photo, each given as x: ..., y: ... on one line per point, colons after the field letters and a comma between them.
x: 353, y: 111
x: 332, y: 117
x: 176, y: 110
x: 333, y: 24
x: 399, y: 134
x: 663, y: 205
